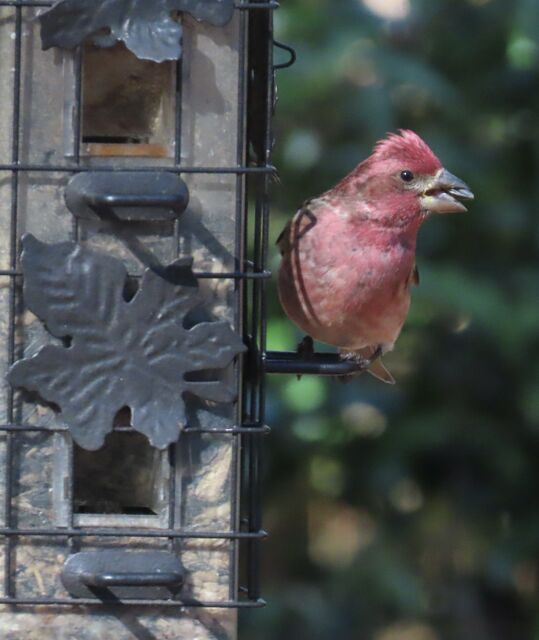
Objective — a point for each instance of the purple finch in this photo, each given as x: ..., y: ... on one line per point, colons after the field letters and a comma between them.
x: 348, y: 256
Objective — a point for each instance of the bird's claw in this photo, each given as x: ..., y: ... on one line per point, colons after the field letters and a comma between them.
x: 305, y: 349
x: 363, y: 362
x: 360, y: 360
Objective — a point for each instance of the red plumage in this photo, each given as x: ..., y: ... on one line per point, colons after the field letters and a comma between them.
x: 348, y: 256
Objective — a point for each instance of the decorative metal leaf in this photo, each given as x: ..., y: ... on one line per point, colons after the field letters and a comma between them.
x: 145, y: 26
x: 118, y: 353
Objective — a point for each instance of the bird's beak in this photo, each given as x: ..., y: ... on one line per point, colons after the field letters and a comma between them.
x: 441, y: 194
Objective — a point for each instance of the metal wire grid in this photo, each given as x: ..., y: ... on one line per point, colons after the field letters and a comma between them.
x: 250, y: 278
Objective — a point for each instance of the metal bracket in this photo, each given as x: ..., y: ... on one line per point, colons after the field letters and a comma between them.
x: 118, y: 574
x: 321, y: 364
x: 128, y: 195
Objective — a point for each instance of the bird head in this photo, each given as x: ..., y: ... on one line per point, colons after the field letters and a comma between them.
x: 403, y: 166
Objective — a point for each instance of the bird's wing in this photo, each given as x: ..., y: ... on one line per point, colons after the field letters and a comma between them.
x: 304, y: 220
x: 283, y: 239
x: 413, y: 278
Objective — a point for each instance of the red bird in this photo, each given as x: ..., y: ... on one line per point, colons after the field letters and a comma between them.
x: 348, y: 256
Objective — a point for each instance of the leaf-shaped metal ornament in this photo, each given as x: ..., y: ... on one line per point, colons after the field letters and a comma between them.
x: 118, y: 353
x: 145, y: 26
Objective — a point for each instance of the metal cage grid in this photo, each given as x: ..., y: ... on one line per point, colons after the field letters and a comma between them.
x: 256, y: 86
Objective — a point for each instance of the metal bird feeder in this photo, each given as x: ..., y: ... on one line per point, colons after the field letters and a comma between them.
x: 132, y: 137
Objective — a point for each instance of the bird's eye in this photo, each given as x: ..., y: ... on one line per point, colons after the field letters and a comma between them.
x: 407, y: 175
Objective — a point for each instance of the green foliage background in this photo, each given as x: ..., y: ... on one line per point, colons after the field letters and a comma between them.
x: 412, y: 512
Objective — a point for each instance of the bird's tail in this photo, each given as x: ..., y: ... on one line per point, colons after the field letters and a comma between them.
x: 373, y: 364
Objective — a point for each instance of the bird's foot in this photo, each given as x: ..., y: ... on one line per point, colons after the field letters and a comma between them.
x: 306, y: 347
x: 363, y: 361
x: 305, y: 350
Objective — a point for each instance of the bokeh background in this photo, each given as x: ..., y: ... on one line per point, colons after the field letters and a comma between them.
x: 412, y: 512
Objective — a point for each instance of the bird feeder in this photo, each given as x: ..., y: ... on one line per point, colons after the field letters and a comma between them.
x: 132, y: 137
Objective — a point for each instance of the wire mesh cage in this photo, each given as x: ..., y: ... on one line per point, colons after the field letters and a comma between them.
x: 104, y: 118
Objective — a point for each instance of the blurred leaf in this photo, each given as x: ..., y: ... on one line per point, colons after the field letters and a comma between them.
x: 445, y: 463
